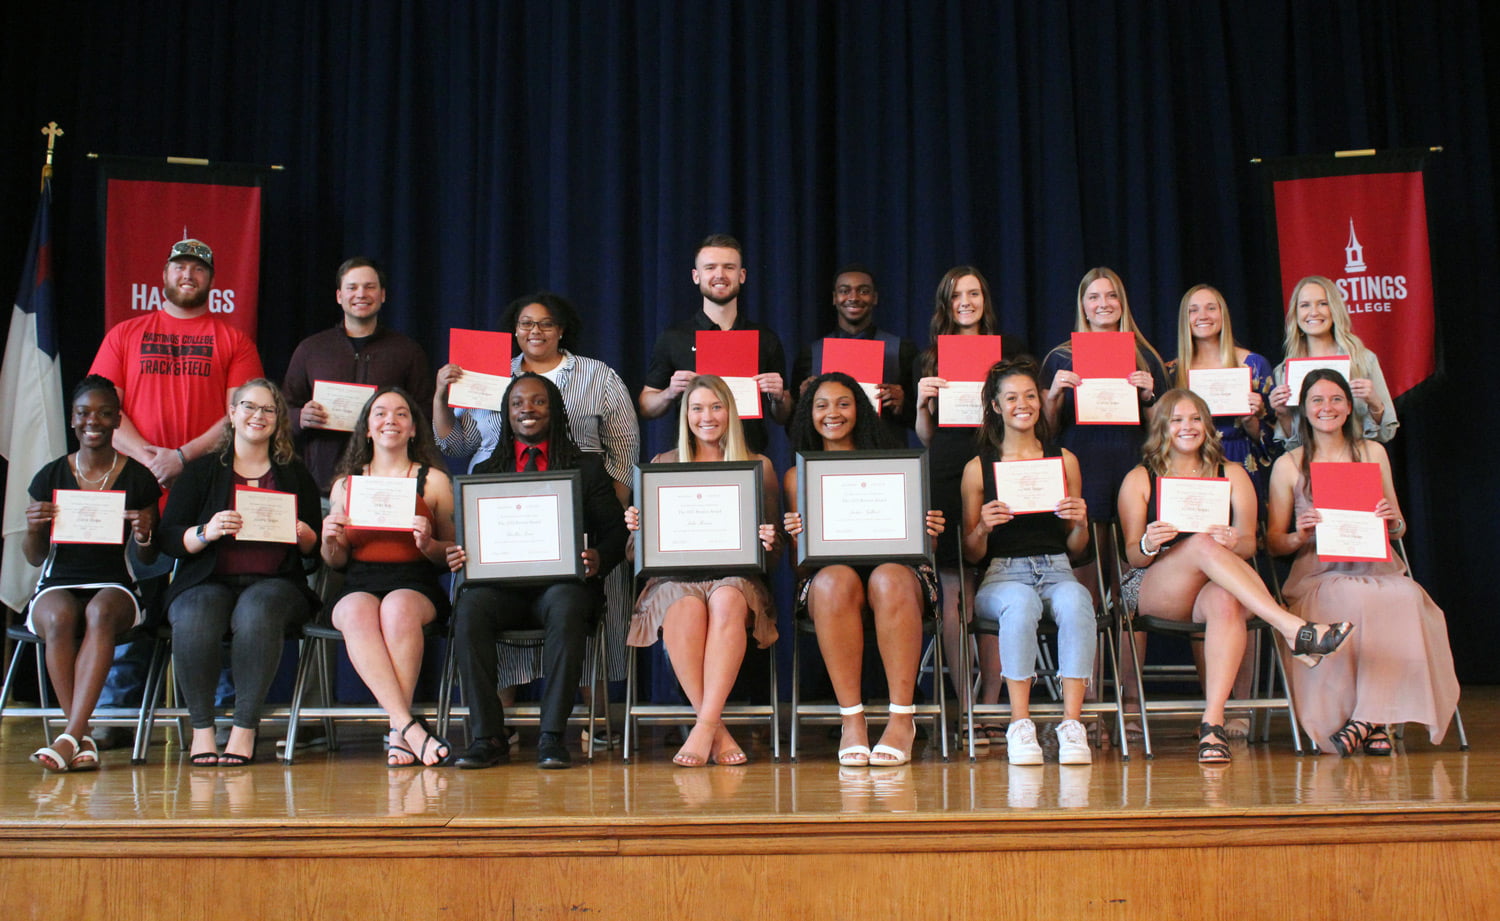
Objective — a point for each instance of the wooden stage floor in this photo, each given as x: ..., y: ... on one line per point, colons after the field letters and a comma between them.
x: 340, y: 835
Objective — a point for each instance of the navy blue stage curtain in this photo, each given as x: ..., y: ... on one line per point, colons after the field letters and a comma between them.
x: 486, y: 149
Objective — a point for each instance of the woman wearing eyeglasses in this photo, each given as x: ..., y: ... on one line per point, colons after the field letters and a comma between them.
x: 601, y: 420
x: 251, y: 591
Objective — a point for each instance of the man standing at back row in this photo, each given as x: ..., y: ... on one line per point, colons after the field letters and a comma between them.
x: 855, y: 297
x: 175, y: 369
x: 357, y: 350
x: 718, y: 271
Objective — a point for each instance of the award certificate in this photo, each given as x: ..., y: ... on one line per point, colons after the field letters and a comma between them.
x: 1192, y: 504
x: 1298, y: 368
x: 1031, y: 485
x: 384, y: 503
x: 1351, y: 536
x: 961, y: 403
x: 746, y: 395
x: 1106, y: 401
x: 477, y: 390
x: 86, y: 516
x: 698, y: 518
x: 863, y: 506
x: 1225, y: 390
x: 342, y: 402
x: 519, y: 529
x: 266, y: 515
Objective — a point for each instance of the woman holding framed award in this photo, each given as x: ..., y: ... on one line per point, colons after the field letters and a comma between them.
x: 704, y: 624
x: 1399, y: 667
x: 1203, y: 576
x: 391, y: 590
x: 86, y: 596
x: 251, y: 589
x: 1205, y: 343
x: 1025, y: 515
x: 962, y: 306
x: 1318, y: 326
x: 833, y: 414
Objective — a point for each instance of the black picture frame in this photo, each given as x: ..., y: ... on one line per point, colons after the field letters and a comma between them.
x: 472, y: 508
x: 816, y: 548
x: 653, y: 559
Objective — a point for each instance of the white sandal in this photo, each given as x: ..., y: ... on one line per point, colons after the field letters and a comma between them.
x: 893, y: 757
x: 854, y: 755
x: 41, y: 755
x: 87, y: 756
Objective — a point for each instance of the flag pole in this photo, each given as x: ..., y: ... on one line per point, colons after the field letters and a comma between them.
x: 53, y: 132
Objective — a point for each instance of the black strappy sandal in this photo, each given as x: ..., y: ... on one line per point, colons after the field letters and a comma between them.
x: 1353, y: 736
x: 1310, y: 648
x: 1210, y: 752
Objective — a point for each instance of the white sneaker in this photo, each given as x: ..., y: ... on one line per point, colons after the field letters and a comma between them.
x: 1073, y: 743
x: 1020, y: 743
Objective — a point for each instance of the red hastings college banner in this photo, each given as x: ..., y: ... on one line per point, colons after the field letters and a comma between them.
x: 1368, y: 233
x: 147, y: 207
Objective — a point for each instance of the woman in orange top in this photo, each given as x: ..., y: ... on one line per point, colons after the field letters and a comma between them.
x: 391, y: 589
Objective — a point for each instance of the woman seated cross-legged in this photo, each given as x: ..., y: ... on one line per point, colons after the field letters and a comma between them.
x: 391, y: 590
x: 1204, y: 577
x: 1029, y: 572
x: 834, y: 414
x: 86, y: 596
x: 703, y: 622
x: 253, y: 591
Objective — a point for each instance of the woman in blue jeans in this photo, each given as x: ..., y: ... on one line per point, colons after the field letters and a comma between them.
x: 1029, y: 572
x: 250, y: 590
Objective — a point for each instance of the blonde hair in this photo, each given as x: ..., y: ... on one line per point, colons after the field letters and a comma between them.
x: 283, y: 450
x: 733, y: 442
x: 1185, y: 345
x: 1344, y: 339
x: 1127, y: 320
x: 1156, y: 453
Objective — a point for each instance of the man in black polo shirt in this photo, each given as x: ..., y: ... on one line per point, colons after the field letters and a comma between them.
x: 718, y: 271
x: 855, y: 297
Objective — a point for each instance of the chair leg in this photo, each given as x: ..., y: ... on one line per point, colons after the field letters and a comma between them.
x: 1140, y: 691
x: 150, y: 692
x: 299, y: 687
x: 796, y: 691
x: 629, y: 739
x: 941, y: 720
x: 776, y: 707
x: 1458, y: 724
x: 10, y: 679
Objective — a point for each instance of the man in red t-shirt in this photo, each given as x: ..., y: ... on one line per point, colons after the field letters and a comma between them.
x: 175, y: 368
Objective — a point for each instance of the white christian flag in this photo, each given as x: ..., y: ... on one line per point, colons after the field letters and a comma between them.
x: 31, y: 403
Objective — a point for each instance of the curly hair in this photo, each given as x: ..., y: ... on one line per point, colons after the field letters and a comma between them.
x: 991, y: 431
x: 283, y: 450
x: 867, y: 433
x: 420, y: 448
x: 562, y: 454
x: 558, y: 307
x: 1156, y: 453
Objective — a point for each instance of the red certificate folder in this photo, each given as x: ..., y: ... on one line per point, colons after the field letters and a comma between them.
x: 1104, y: 354
x: 1344, y: 485
x: 481, y: 350
x: 861, y: 359
x: 728, y: 352
x: 966, y: 358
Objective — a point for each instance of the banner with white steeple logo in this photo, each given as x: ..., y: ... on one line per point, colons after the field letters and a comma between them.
x: 1362, y: 222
